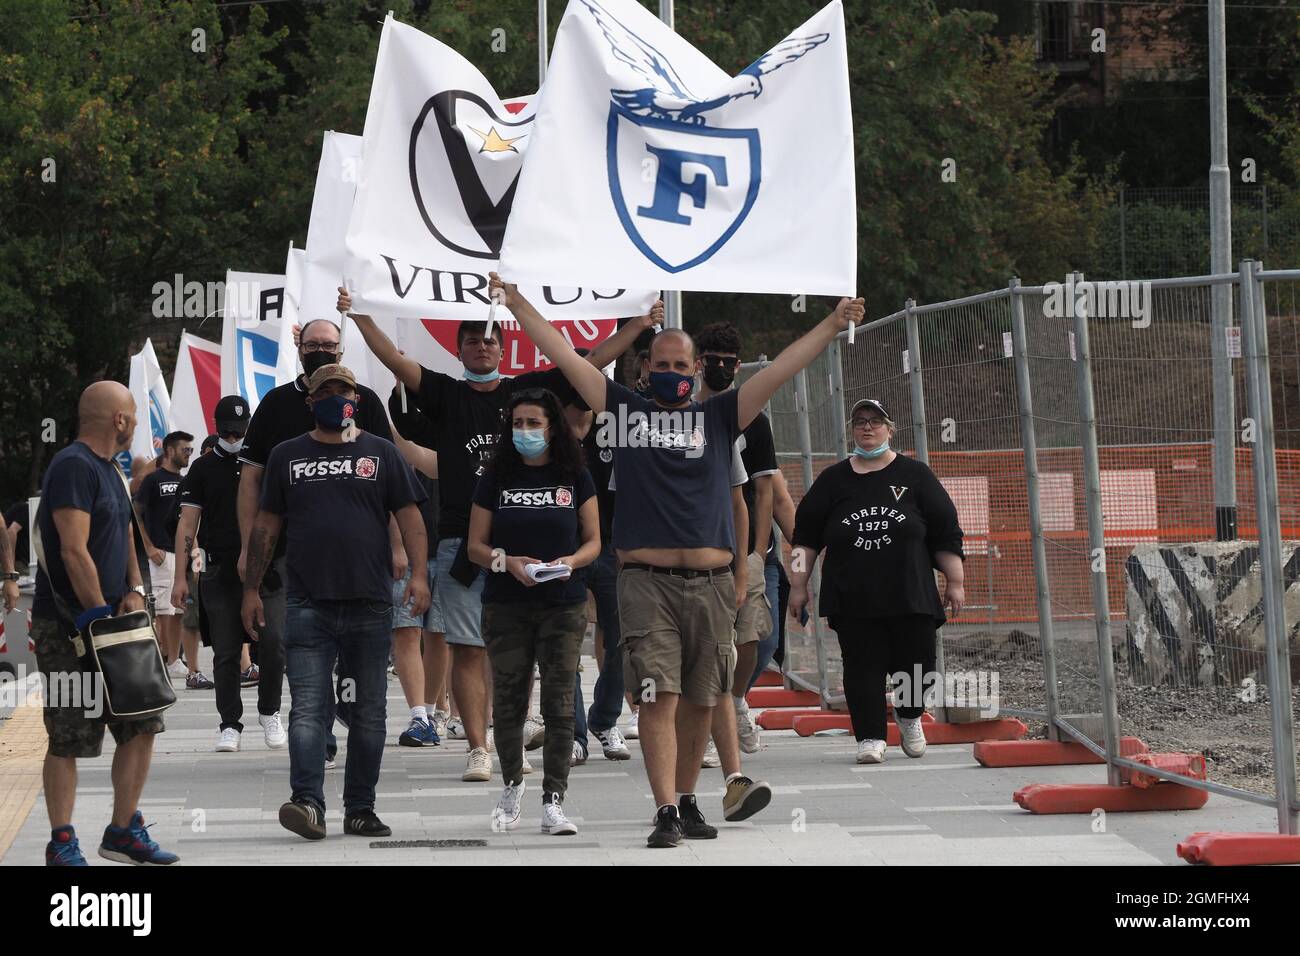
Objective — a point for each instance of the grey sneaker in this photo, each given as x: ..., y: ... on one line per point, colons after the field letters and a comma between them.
x: 911, y: 735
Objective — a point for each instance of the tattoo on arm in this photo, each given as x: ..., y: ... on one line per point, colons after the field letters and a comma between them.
x: 261, y: 546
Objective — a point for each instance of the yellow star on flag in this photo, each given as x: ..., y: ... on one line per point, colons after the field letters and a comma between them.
x: 494, y: 143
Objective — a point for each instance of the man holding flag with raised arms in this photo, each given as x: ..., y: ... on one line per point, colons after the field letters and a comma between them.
x: 673, y: 533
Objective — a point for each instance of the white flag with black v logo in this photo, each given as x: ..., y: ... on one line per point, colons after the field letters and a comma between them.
x: 435, y: 186
x: 651, y: 166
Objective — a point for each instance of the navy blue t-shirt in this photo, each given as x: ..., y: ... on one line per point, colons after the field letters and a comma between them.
x: 672, y: 468
x: 78, y: 478
x: 535, y: 513
x: 336, y: 499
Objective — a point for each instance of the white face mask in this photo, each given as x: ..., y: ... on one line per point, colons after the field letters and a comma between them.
x: 230, y: 447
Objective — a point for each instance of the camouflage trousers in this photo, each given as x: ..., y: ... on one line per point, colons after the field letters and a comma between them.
x: 519, y: 634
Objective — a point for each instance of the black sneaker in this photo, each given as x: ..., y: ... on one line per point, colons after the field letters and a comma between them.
x: 303, y: 818
x: 667, y: 831
x: 693, y: 825
x: 365, y: 823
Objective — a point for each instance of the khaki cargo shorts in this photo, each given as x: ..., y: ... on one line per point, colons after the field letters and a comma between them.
x: 678, y: 634
x: 754, y: 619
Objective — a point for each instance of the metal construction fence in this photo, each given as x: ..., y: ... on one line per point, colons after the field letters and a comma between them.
x: 1125, y: 462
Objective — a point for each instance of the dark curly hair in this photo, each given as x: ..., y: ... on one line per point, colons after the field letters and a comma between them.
x: 718, y: 337
x: 566, y: 450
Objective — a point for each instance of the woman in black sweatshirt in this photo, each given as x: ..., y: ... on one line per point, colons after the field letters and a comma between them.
x: 885, y: 523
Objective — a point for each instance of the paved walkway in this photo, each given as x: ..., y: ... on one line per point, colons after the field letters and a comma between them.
x: 216, y: 809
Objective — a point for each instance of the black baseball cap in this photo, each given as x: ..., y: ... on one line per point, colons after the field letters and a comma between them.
x: 231, y: 415
x: 869, y: 403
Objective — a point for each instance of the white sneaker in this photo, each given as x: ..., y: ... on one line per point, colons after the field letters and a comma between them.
x: 911, y: 735
x: 871, y: 751
x: 579, y: 755
x: 534, y: 733
x: 554, y: 821
x: 506, y: 814
x: 455, y: 728
x: 711, y: 759
x: 439, y: 721
x: 330, y: 764
x: 611, y: 741
x: 228, y: 741
x: 747, y: 731
x: 528, y: 768
x: 177, y: 669
x: 632, y: 731
x: 478, y: 768
x: 273, y: 730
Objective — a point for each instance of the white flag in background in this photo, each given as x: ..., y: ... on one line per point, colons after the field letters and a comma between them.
x: 254, y: 310
x: 152, y: 404
x: 650, y: 166
x: 441, y: 159
x: 331, y: 204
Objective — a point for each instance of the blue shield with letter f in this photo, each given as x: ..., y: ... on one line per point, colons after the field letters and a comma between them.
x: 681, y: 190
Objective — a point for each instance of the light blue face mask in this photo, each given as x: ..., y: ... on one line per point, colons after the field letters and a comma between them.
x: 873, y: 453
x: 491, y: 376
x: 530, y: 442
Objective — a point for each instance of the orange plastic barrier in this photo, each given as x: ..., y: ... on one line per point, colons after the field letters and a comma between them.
x: 1004, y: 728
x: 1240, y: 849
x: 769, y: 679
x: 1087, y: 797
x: 1185, y: 765
x: 780, y: 697
x: 1045, y: 753
x: 783, y: 718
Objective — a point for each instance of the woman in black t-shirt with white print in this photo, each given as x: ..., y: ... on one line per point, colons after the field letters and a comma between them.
x: 535, y: 505
x: 885, y: 523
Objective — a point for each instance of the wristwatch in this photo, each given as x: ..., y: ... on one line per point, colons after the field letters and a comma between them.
x: 139, y: 589
x: 9, y: 576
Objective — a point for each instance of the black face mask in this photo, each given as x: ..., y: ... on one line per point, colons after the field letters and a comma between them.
x: 718, y: 378
x: 314, y: 360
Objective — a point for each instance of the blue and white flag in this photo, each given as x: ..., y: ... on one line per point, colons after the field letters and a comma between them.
x: 153, y: 407
x: 651, y: 167
x: 254, y: 309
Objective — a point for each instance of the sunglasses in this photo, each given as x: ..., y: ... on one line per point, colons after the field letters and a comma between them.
x: 729, y: 362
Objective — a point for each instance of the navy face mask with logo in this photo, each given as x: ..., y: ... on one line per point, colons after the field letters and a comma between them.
x: 671, y: 387
x: 333, y: 410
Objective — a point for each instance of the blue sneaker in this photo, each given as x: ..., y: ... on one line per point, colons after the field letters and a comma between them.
x: 419, y: 734
x: 131, y: 844
x: 63, y: 849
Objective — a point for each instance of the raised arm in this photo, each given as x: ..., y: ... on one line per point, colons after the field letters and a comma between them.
x: 423, y: 460
x: 405, y: 370
x: 799, y: 354
x: 618, y: 343
x: 582, y: 375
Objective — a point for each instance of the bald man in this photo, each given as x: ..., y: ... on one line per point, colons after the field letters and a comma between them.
x: 89, y: 570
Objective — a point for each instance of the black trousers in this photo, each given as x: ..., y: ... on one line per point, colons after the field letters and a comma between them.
x: 875, y: 651
x: 222, y: 596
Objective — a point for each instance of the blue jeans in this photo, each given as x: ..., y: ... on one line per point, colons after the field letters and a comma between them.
x: 359, y: 635
x: 607, y: 700
x: 767, y: 646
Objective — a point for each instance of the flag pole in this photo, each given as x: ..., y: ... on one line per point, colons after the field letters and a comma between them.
x: 673, y: 298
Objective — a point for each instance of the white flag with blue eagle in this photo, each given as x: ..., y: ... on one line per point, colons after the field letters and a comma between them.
x: 651, y: 167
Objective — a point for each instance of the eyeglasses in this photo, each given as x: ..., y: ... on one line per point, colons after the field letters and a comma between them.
x: 328, y: 347
x: 868, y: 422
x: 729, y: 362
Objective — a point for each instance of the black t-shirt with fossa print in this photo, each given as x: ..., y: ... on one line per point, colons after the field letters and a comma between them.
x: 535, y: 513
x: 881, y: 532
x: 157, y: 497
x: 672, y: 468
x: 335, y: 500
x: 467, y: 423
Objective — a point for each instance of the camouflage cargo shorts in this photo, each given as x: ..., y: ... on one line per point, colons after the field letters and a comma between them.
x: 76, y: 726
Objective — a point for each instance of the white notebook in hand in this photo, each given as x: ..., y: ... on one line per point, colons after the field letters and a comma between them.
x: 541, y: 573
